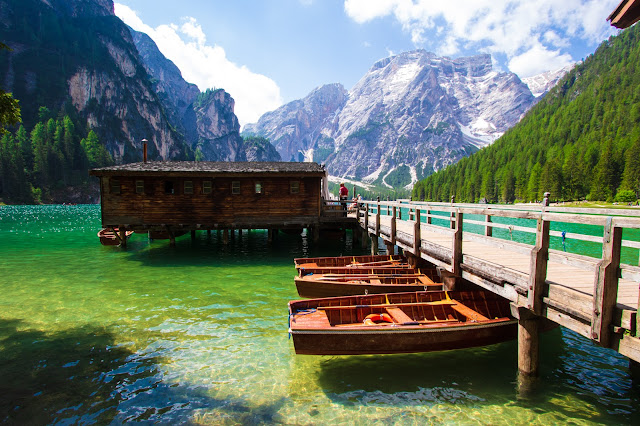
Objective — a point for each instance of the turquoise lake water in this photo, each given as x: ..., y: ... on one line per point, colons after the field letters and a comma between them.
x: 197, y: 333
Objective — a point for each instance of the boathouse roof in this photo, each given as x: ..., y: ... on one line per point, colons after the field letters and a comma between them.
x: 211, y: 167
x: 626, y: 14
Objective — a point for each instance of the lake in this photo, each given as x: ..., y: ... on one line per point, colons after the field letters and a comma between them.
x: 197, y: 333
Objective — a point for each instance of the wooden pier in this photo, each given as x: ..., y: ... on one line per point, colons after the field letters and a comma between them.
x: 595, y: 296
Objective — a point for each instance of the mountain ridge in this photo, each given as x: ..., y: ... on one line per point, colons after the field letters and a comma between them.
x: 411, y: 114
x: 580, y: 141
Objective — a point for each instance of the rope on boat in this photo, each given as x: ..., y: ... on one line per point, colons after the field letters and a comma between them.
x: 299, y: 312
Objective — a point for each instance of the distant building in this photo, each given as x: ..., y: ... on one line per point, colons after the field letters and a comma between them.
x: 182, y: 196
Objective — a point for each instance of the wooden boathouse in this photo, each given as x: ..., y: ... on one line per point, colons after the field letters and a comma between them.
x: 177, y: 197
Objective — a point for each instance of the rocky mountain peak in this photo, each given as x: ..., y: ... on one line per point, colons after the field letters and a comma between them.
x: 540, y: 84
x: 409, y: 115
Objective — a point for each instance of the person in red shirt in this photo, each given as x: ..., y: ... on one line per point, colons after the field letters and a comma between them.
x: 344, y: 195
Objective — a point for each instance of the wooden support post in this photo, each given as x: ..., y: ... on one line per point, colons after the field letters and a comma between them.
x: 399, y: 211
x: 448, y: 280
x: 123, y: 236
x: 390, y: 247
x: 528, y: 345
x: 393, y: 225
x: 378, y: 218
x: 457, y: 244
x: 428, y: 216
x: 193, y: 235
x: 225, y: 236
x: 316, y: 234
x: 366, y: 218
x: 270, y: 235
x: 605, y: 292
x: 208, y: 233
x: 538, y: 267
x: 355, y: 234
x: 488, y: 229
x: 374, y: 244
x: 417, y: 237
x: 452, y: 215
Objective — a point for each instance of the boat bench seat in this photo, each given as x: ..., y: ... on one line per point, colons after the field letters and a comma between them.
x: 398, y: 315
x: 468, y: 312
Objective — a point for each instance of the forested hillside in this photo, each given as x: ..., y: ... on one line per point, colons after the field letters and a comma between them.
x: 50, y: 162
x: 581, y: 141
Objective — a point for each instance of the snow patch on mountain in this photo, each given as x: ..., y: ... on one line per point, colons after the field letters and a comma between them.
x: 540, y: 84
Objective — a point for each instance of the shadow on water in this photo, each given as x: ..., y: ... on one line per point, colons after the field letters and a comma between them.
x: 50, y: 377
x: 252, y: 248
x: 81, y: 376
x: 578, y: 379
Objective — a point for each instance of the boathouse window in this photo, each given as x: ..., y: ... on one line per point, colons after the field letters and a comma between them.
x: 258, y: 187
x: 294, y: 186
x: 115, y: 186
x: 188, y: 187
x: 235, y: 187
x: 139, y: 187
x: 206, y: 187
x: 168, y: 187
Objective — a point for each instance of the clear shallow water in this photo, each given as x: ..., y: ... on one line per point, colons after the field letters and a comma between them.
x: 197, y: 333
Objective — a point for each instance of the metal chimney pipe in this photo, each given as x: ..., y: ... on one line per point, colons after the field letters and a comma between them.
x: 144, y: 150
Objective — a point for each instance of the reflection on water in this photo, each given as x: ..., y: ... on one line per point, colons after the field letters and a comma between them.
x: 198, y: 333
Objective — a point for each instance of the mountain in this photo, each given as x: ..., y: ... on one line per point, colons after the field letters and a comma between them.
x: 540, y: 84
x: 206, y: 120
x: 75, y: 57
x: 294, y: 128
x: 408, y: 116
x: 581, y: 140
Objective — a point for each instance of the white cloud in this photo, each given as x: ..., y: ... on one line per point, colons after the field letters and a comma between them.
x: 538, y: 60
x: 521, y: 30
x: 207, y: 66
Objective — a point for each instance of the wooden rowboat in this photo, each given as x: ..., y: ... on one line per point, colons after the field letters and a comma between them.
x: 329, y: 285
x: 312, y: 264
x: 108, y: 236
x: 400, y: 323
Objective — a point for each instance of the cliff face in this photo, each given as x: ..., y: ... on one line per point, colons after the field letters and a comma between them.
x: 206, y: 120
x: 76, y: 56
x: 409, y: 115
x: 295, y: 128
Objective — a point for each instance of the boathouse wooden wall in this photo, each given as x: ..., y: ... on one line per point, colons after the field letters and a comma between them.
x: 277, y: 205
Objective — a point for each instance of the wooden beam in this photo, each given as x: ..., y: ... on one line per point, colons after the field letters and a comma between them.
x: 605, y: 292
x: 378, y: 218
x: 488, y: 229
x: 123, y: 236
x: 456, y: 258
x: 528, y: 344
x: 417, y: 237
x: 538, y: 267
x: 374, y: 244
x: 393, y: 225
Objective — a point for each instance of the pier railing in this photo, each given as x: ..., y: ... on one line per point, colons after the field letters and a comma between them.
x: 576, y: 267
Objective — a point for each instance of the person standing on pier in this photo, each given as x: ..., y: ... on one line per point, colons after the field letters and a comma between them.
x: 344, y: 195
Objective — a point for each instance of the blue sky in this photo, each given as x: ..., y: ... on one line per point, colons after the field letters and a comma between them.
x: 269, y: 52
